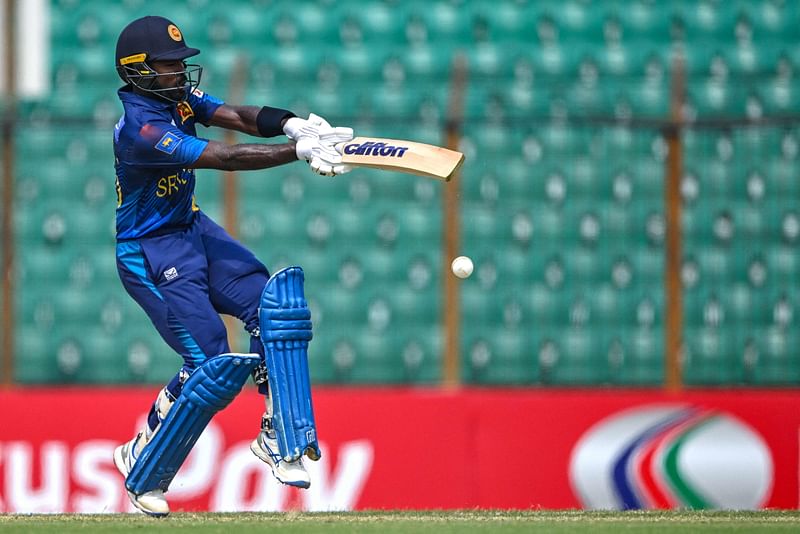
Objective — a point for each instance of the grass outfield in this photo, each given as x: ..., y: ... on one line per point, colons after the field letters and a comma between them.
x: 402, y: 522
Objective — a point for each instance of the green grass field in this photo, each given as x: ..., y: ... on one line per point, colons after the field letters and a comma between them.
x: 402, y: 522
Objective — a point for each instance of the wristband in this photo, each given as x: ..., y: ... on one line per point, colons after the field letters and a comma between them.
x: 268, y: 121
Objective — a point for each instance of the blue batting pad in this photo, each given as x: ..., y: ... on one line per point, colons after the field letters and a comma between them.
x: 209, y: 389
x: 285, y: 324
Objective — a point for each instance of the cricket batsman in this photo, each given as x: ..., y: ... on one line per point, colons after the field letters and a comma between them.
x: 184, y: 270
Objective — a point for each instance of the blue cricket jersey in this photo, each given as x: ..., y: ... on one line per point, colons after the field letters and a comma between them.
x: 154, y: 143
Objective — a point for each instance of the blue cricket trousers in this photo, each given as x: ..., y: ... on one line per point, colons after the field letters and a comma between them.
x: 183, y: 280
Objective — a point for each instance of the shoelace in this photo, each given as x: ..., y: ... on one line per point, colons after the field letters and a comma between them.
x: 276, y: 457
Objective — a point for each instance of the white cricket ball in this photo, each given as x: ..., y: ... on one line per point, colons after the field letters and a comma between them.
x: 462, y: 266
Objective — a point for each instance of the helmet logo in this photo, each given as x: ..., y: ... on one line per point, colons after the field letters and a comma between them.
x: 174, y: 32
x: 136, y: 58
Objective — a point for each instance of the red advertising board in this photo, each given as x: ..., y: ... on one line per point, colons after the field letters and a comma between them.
x: 425, y: 449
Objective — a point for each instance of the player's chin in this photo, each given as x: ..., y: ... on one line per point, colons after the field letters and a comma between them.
x: 178, y: 94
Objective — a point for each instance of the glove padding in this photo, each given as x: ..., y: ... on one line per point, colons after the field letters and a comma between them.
x: 297, y: 128
x: 316, y: 143
x: 329, y: 161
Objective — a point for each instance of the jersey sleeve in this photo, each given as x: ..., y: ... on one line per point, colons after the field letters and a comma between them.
x: 160, y: 144
x: 204, y: 105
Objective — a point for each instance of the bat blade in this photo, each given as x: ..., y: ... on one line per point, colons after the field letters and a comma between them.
x: 401, y: 156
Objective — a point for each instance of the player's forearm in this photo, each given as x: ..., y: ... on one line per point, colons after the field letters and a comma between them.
x: 245, y: 157
x: 252, y: 120
x: 245, y: 119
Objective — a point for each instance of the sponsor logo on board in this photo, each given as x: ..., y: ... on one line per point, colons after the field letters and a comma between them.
x: 671, y: 456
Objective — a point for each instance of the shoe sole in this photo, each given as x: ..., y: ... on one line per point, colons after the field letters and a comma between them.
x: 119, y: 462
x: 151, y: 513
x: 267, y: 460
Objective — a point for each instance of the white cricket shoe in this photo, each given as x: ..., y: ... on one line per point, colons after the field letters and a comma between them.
x: 124, y: 456
x: 289, y: 473
x: 153, y: 502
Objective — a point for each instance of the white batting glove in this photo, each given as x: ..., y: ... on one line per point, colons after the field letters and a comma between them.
x: 325, y: 167
x: 321, y: 152
x: 318, y: 121
x: 297, y: 128
x: 308, y: 148
x: 329, y: 137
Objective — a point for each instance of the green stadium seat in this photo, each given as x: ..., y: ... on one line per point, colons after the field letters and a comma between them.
x: 423, y: 62
x: 163, y: 362
x: 493, y: 140
x: 548, y: 222
x: 777, y: 362
x: 577, y: 22
x: 421, y: 350
x: 495, y: 355
x: 650, y: 98
x: 444, y: 22
x: 281, y: 222
x: 35, y: 357
x: 412, y: 307
x: 244, y: 26
x: 784, y: 265
x: 564, y: 219
x: 739, y: 303
x: 377, y: 360
x: 381, y: 22
x: 616, y: 59
x: 42, y: 265
x: 753, y: 58
x: 294, y: 63
x: 711, y: 357
x: 778, y: 94
x: 103, y: 359
x: 396, y: 101
x: 548, y: 307
x: 360, y: 62
x: 94, y: 65
x: 694, y: 303
x: 645, y: 20
x: 480, y: 222
x: 648, y: 266
x: 750, y: 221
x: 340, y: 305
x: 585, y: 267
x: 320, y: 356
x: 509, y: 22
x: 589, y: 97
x: 581, y: 359
x: 715, y: 264
x: 706, y: 22
x: 319, y: 265
x: 775, y: 20
x: 643, y: 363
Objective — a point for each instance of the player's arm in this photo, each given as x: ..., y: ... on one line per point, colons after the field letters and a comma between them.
x: 252, y: 120
x: 242, y: 157
x: 314, y: 139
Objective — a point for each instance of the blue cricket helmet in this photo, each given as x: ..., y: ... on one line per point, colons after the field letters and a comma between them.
x: 150, y: 39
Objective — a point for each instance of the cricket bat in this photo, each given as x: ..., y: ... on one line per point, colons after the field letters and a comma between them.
x: 401, y: 156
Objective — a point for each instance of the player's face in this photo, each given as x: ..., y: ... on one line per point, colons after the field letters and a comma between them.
x: 173, y: 76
